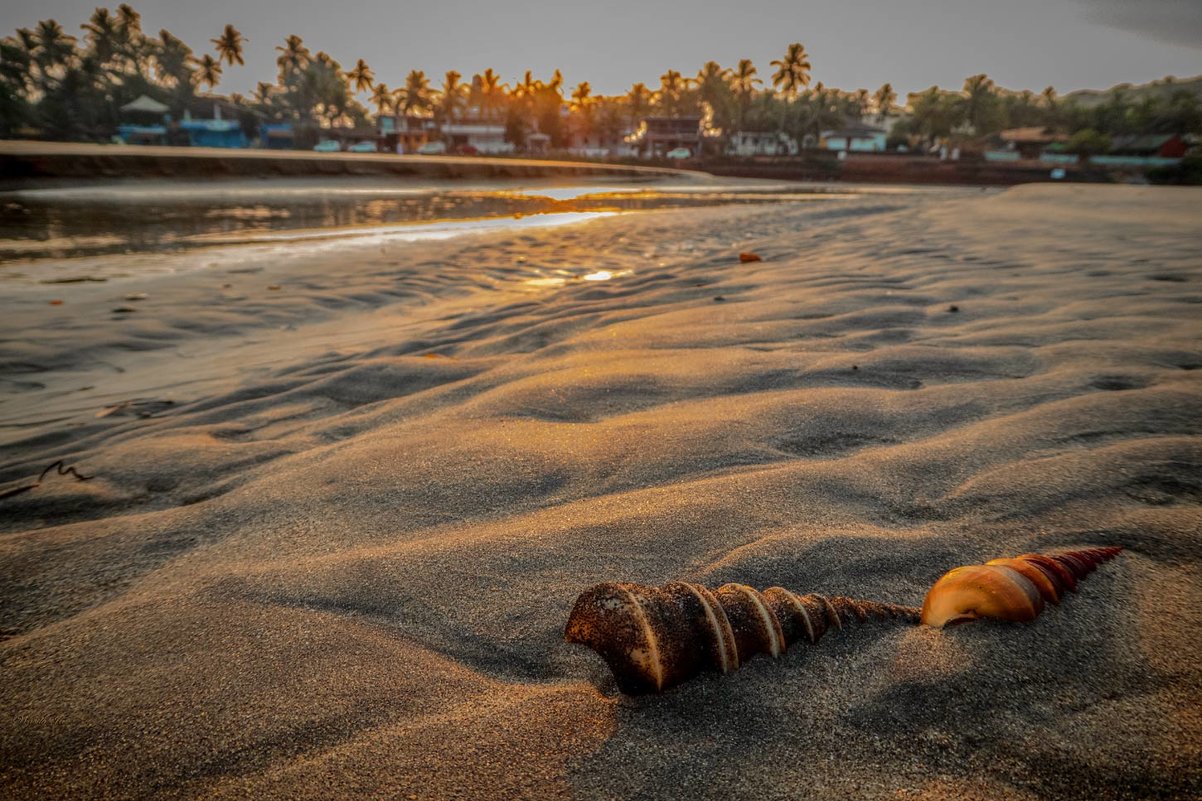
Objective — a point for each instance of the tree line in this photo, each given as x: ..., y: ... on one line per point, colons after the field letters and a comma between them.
x: 72, y: 87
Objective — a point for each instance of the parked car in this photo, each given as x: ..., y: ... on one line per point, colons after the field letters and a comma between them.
x: 679, y: 153
x: 362, y: 147
x: 327, y: 146
x: 432, y: 149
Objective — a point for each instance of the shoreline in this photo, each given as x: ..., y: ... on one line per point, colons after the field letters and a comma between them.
x: 23, y: 162
x: 27, y: 164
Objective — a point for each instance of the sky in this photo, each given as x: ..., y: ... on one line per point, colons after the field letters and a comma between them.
x: 913, y: 44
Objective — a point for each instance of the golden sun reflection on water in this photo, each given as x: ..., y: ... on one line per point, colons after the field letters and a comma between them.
x: 566, y: 277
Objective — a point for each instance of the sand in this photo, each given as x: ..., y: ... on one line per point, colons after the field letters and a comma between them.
x: 339, y: 562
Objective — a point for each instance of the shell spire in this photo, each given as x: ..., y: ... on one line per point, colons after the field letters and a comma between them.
x: 1014, y: 589
x: 654, y: 638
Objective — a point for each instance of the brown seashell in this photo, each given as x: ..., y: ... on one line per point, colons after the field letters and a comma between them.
x: 749, y: 257
x: 1009, y: 589
x: 654, y: 638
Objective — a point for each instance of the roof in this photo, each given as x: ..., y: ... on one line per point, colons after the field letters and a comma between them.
x: 147, y: 104
x: 1142, y: 143
x: 479, y: 130
x: 854, y: 132
x: 1033, y: 134
x: 206, y: 105
x: 210, y: 125
x: 689, y: 124
x: 142, y: 130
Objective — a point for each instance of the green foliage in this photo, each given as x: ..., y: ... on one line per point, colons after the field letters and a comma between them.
x: 1088, y: 142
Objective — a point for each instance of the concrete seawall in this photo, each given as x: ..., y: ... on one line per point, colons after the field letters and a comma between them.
x: 24, y: 161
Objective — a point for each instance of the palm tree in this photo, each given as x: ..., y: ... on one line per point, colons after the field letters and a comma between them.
x: 745, y: 81
x: 638, y: 100
x: 414, y: 96
x: 672, y: 86
x: 361, y: 77
x: 229, y: 46
x: 581, y: 96
x: 381, y: 96
x: 451, y: 96
x: 526, y: 87
x: 978, y: 91
x: 129, y: 20
x: 713, y: 82
x: 54, y: 46
x: 884, y: 100
x: 208, y: 70
x: 102, y: 34
x: 263, y: 95
x: 859, y: 102
x: 173, y: 61
x: 293, y: 54
x: 582, y: 106
x: 492, y: 92
x: 934, y: 113
x: 133, y: 46
x: 15, y: 61
x: 793, y: 71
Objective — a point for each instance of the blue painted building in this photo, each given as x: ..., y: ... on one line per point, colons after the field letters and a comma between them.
x: 214, y: 133
x: 276, y: 135
x: 142, y: 134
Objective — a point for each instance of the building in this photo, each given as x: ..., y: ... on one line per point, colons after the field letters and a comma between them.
x: 760, y: 143
x: 214, y: 133
x: 348, y: 137
x: 537, y: 143
x: 1143, y: 151
x: 405, y: 133
x: 214, y: 107
x: 477, y: 137
x: 144, y: 122
x: 656, y: 136
x: 277, y: 135
x: 856, y: 138
x: 1165, y: 146
x: 596, y: 143
x: 213, y: 121
x: 142, y: 134
x: 1015, y: 144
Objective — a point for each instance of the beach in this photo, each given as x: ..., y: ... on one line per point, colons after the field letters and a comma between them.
x: 341, y: 499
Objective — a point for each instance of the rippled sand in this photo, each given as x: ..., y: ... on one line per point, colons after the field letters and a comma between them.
x: 336, y: 526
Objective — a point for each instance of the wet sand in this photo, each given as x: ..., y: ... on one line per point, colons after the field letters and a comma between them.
x: 23, y: 161
x: 335, y: 527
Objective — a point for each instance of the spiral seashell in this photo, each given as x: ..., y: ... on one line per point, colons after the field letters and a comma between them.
x: 1009, y: 589
x: 654, y: 638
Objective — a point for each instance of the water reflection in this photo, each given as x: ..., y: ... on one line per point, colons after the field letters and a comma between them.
x: 92, y: 221
x: 561, y: 277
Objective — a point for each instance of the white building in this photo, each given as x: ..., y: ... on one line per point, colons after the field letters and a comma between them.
x: 486, y: 139
x: 761, y: 143
x: 856, y: 138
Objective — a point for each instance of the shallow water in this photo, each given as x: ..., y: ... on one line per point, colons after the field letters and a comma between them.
x: 45, y: 230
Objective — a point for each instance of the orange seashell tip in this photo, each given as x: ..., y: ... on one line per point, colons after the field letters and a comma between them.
x: 1012, y: 589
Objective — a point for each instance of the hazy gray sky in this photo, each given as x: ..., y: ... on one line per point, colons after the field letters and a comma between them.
x: 1071, y: 44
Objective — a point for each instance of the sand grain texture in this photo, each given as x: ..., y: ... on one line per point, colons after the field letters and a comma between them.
x: 339, y: 562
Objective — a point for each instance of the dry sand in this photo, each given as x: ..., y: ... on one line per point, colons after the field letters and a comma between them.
x: 339, y: 564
